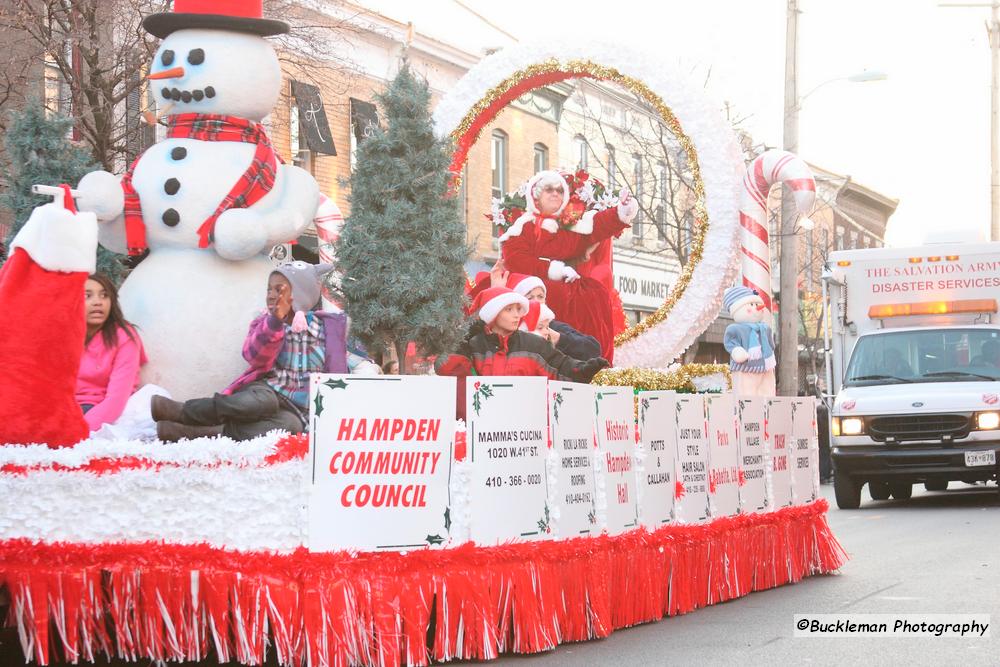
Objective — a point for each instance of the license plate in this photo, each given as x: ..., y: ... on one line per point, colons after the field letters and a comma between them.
x: 986, y: 458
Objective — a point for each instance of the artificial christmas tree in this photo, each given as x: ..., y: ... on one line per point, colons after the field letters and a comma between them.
x: 403, y: 247
x: 39, y: 152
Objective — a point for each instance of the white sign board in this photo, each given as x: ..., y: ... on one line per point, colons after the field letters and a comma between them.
x: 615, y: 415
x: 642, y: 286
x: 507, y: 448
x: 571, y: 423
x: 692, y: 460
x: 804, y: 455
x: 723, y: 456
x: 777, y: 439
x: 658, y: 441
x: 750, y: 422
x: 381, y: 451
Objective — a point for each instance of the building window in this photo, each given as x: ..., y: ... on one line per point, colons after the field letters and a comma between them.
x: 581, y: 150
x: 301, y: 155
x: 661, y: 211
x: 840, y: 238
x: 637, y: 222
x: 498, y: 163
x: 612, y: 168
x: 541, y: 157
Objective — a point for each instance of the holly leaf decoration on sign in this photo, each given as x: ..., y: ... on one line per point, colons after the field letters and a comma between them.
x: 319, y: 404
x: 645, y: 406
x: 543, y: 523
x: 447, y: 519
x: 435, y: 539
x: 335, y: 384
x: 557, y: 399
x: 482, y: 392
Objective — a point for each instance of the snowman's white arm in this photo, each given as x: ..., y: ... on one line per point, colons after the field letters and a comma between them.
x: 111, y: 235
x: 290, y: 206
x: 100, y: 192
x: 280, y: 216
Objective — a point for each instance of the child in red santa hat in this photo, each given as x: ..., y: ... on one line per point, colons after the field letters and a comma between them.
x: 537, y: 321
x: 500, y: 348
x: 567, y: 340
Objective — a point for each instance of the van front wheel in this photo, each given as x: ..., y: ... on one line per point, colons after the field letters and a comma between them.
x: 847, y: 490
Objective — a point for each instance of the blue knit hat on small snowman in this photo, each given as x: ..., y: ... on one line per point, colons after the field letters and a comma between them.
x: 736, y: 296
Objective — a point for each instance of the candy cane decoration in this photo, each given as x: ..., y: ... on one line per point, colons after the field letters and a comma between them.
x: 772, y: 167
x: 328, y: 221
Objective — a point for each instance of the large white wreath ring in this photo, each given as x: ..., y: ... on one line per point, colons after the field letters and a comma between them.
x: 695, y: 298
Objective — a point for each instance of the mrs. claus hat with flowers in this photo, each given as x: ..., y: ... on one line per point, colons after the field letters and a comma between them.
x: 235, y: 15
x: 490, y: 302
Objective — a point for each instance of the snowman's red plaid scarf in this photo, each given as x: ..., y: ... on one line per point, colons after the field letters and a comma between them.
x: 255, y: 182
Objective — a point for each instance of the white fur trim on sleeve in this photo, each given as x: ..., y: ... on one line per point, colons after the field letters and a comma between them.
x: 585, y: 225
x: 58, y: 240
x: 556, y: 269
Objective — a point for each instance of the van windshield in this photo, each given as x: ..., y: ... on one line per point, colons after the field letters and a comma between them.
x: 929, y: 355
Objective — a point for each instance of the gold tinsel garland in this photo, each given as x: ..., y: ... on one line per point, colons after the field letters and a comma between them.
x: 585, y: 68
x: 644, y: 379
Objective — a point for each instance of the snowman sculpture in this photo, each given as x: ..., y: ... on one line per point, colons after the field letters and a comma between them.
x: 750, y: 342
x: 209, y: 201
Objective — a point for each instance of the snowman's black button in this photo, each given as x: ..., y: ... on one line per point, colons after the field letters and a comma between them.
x: 171, y: 217
x: 209, y: 91
x: 179, y: 153
x: 171, y: 186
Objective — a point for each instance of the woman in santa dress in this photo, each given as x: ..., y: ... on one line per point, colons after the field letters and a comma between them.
x: 563, y: 238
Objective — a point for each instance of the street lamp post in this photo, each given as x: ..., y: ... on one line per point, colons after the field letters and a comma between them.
x: 993, y: 32
x: 788, y: 305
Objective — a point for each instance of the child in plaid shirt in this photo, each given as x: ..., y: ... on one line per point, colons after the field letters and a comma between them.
x: 283, y: 347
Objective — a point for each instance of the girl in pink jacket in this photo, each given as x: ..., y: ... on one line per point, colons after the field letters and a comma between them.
x: 112, y: 355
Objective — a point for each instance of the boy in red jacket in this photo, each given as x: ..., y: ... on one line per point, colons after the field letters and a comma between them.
x: 496, y: 347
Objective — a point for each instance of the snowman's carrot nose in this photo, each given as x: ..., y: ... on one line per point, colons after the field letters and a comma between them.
x: 171, y: 73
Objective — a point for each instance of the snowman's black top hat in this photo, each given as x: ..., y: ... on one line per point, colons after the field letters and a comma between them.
x: 236, y: 15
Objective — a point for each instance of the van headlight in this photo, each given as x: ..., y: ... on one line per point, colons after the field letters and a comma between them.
x: 988, y: 421
x: 852, y: 425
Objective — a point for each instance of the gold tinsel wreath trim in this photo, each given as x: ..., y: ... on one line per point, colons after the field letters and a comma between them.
x: 680, y: 379
x: 585, y: 68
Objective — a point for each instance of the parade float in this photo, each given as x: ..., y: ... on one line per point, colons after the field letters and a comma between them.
x: 391, y: 534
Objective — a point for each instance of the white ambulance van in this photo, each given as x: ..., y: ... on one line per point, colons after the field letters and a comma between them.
x: 914, y: 368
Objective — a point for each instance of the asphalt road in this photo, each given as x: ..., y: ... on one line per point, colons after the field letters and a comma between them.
x: 937, y: 553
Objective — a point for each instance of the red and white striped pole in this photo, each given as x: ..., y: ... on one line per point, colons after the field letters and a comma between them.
x: 774, y: 166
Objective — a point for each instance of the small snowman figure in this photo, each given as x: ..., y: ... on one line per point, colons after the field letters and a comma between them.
x: 749, y: 342
x: 210, y: 200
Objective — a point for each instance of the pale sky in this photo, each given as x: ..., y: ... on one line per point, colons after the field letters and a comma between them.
x: 921, y: 136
